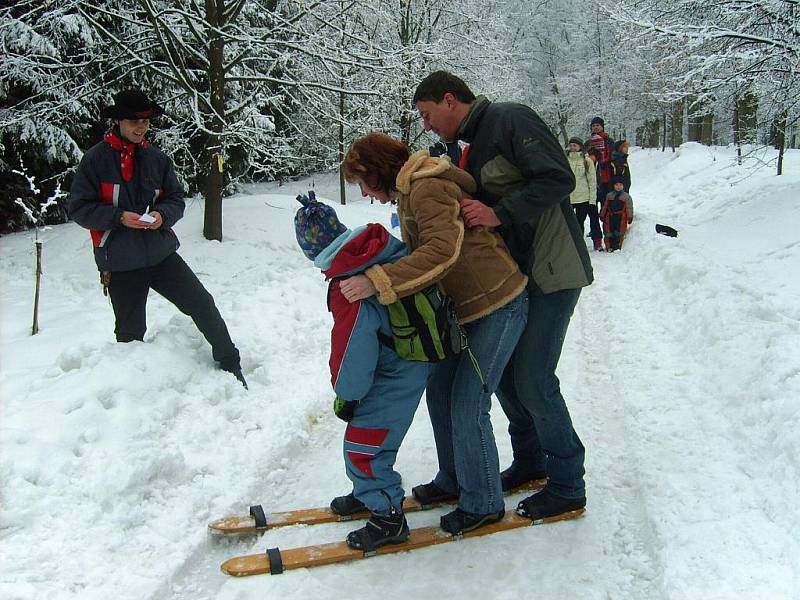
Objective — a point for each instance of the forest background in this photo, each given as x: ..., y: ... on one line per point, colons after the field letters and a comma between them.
x: 273, y: 90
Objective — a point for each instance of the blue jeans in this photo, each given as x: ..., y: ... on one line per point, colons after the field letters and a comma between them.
x: 459, y: 409
x: 542, y: 435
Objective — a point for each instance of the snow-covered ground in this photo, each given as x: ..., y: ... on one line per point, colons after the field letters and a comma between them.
x: 681, y: 369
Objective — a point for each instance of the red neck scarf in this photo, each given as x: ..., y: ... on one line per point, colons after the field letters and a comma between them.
x: 126, y: 150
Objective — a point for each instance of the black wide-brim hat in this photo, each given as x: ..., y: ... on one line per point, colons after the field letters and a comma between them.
x: 132, y: 104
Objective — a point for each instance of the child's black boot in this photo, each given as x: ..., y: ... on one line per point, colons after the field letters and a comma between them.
x: 379, y: 531
x: 347, y: 505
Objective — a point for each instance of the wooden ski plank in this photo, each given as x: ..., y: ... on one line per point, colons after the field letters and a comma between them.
x: 244, y: 524
x: 338, y: 552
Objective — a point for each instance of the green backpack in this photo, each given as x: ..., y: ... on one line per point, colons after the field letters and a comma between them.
x: 425, y: 327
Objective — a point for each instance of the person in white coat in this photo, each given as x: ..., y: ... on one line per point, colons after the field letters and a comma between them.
x: 583, y: 196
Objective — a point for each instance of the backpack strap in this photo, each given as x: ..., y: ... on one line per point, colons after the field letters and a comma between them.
x: 588, y: 163
x: 386, y: 340
x: 419, y: 323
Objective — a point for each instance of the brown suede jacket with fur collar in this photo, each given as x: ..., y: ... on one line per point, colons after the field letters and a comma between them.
x: 472, y: 265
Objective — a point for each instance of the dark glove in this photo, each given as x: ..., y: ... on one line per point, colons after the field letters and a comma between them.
x: 344, y: 409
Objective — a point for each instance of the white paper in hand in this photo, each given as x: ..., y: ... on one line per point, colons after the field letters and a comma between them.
x: 147, y: 218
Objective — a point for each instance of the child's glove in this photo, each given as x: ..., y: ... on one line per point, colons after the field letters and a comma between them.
x: 344, y: 409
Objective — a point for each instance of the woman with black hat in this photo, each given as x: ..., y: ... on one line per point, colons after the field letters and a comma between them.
x: 126, y: 194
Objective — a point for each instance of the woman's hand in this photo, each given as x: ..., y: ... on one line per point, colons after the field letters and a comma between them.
x: 357, y: 288
x: 158, y: 219
x: 133, y: 220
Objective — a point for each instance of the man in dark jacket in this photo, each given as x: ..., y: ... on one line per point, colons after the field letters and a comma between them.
x: 126, y: 193
x: 524, y: 183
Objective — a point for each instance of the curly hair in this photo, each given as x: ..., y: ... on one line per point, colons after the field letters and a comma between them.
x: 375, y: 159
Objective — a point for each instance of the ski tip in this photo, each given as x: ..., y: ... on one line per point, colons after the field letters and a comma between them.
x: 233, y: 525
x: 243, y: 566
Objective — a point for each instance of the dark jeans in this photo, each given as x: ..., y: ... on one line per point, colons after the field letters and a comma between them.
x: 602, y: 190
x: 541, y: 429
x: 614, y: 225
x: 589, y: 209
x: 175, y: 281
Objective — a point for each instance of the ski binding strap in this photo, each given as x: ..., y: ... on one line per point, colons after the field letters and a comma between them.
x: 258, y: 514
x: 275, y: 561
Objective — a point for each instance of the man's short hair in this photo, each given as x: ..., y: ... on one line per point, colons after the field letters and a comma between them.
x: 437, y: 84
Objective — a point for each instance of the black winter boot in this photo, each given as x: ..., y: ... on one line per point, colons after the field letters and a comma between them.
x: 544, y: 504
x: 460, y: 521
x: 379, y: 531
x: 428, y: 493
x: 347, y: 505
x: 519, y: 473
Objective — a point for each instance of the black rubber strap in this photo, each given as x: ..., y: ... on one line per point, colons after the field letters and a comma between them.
x: 261, y: 519
x: 275, y: 561
x: 365, y: 541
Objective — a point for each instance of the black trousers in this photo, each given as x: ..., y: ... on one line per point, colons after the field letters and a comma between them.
x: 589, y: 209
x: 174, y: 280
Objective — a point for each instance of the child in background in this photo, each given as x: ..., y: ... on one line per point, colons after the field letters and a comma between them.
x: 619, y: 163
x: 616, y: 215
x: 377, y: 392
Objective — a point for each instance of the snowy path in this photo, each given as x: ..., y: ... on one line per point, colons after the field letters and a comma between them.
x: 680, y: 369
x: 613, y: 543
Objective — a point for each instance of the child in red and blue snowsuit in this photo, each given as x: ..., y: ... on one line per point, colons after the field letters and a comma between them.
x: 376, y: 391
x: 616, y: 215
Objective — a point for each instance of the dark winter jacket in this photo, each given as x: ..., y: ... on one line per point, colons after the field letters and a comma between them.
x: 361, y: 366
x: 99, y: 194
x: 521, y: 172
x: 620, y: 168
x: 603, y: 145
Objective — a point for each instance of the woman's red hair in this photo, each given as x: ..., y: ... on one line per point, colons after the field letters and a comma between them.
x: 375, y: 159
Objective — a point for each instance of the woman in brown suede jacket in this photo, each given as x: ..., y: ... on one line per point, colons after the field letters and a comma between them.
x: 474, y: 268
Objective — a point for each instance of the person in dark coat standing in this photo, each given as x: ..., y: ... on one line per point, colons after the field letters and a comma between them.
x: 619, y: 164
x: 602, y: 146
x: 523, y: 188
x: 126, y: 194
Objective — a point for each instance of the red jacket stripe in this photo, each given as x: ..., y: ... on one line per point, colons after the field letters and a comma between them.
x: 346, y: 315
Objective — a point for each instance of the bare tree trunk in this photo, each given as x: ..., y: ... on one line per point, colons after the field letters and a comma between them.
x: 707, y: 129
x: 780, y: 135
x: 677, y: 124
x: 736, y: 136
x: 664, y: 133
x: 215, y: 123
x: 35, y: 327
x: 341, y: 147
